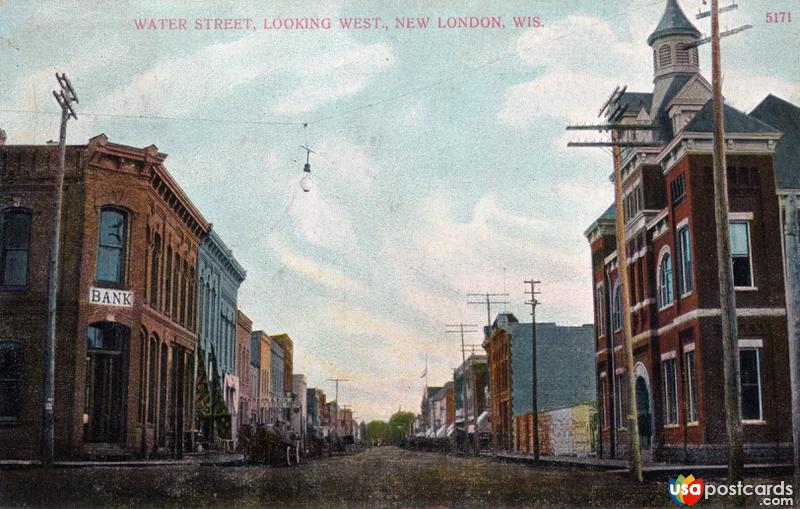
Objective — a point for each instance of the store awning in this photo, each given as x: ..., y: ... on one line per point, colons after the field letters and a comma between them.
x: 441, y: 432
x: 483, y: 422
x: 450, y: 430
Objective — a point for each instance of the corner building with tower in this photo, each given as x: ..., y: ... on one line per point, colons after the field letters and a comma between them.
x: 670, y: 235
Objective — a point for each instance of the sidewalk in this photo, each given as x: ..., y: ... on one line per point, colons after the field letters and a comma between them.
x: 219, y: 459
x: 649, y: 470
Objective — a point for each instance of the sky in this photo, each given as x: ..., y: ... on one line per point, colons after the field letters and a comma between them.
x: 440, y: 163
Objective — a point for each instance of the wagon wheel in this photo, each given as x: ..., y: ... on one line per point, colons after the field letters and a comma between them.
x: 297, y: 452
x: 289, y: 455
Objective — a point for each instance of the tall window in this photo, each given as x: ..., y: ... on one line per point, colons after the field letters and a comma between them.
x: 750, y: 375
x: 176, y: 269
x: 622, y: 418
x: 10, y: 380
x: 665, y: 291
x: 152, y: 386
x: 601, y: 402
x: 111, y: 249
x: 691, y: 381
x: 168, y: 282
x: 616, y: 314
x: 14, y: 241
x: 670, y: 384
x: 184, y: 303
x: 191, y: 309
x: 155, y: 270
x: 740, y: 252
x: 601, y: 322
x: 677, y: 189
x: 685, y: 261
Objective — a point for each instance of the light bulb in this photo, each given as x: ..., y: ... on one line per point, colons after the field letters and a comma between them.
x: 306, y: 184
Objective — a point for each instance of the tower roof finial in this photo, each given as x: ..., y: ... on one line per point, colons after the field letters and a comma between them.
x: 673, y: 22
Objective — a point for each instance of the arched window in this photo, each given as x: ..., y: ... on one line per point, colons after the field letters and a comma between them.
x: 10, y: 380
x: 665, y: 290
x: 616, y: 312
x: 665, y: 55
x: 111, y: 248
x: 152, y: 385
x: 155, y: 270
x: 15, y: 230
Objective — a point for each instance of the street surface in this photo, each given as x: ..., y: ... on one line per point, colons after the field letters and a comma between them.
x: 379, y: 477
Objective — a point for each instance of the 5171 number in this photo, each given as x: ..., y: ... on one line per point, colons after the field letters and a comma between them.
x: 779, y: 17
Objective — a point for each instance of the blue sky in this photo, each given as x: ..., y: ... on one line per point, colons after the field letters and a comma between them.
x: 457, y: 179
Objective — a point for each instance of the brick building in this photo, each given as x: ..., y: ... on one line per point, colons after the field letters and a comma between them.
x: 126, y: 343
x: 674, y: 293
x: 260, y: 360
x: 565, y: 358
x: 245, y: 414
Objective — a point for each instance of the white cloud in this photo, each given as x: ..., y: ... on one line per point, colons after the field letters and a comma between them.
x: 319, y: 272
x: 579, y: 61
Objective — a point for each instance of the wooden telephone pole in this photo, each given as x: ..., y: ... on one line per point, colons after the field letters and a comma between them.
x: 534, y: 375
x: 456, y: 329
x: 65, y: 97
x: 727, y: 293
x: 615, y: 111
x: 792, y: 247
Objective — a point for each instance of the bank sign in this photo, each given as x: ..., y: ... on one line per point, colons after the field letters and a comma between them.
x: 110, y: 297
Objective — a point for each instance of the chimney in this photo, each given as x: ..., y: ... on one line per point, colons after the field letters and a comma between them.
x: 3, y: 137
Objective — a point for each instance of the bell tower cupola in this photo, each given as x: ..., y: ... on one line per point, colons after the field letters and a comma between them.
x: 668, y: 39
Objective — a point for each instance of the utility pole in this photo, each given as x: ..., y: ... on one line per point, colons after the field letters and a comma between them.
x: 65, y: 97
x: 455, y: 329
x: 727, y: 293
x: 792, y: 247
x: 488, y: 302
x: 615, y: 110
x: 534, y: 375
x: 336, y: 399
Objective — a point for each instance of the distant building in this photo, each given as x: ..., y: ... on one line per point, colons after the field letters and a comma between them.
x: 280, y: 388
x: 427, y: 410
x: 261, y: 360
x: 244, y: 371
x: 473, y: 373
x: 563, y: 356
x: 219, y: 276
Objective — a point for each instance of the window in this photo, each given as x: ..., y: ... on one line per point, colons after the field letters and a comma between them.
x: 14, y: 241
x: 665, y: 55
x: 695, y: 58
x: 155, y: 271
x: 176, y: 277
x: 750, y: 375
x: 685, y: 261
x: 184, y: 303
x: 619, y: 384
x: 111, y: 249
x: 10, y: 380
x: 601, y: 323
x: 616, y: 316
x: 670, y: 383
x: 677, y: 190
x: 152, y: 387
x: 601, y: 402
x: 168, y: 282
x: 691, y: 381
x: 740, y: 252
x: 665, y: 292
